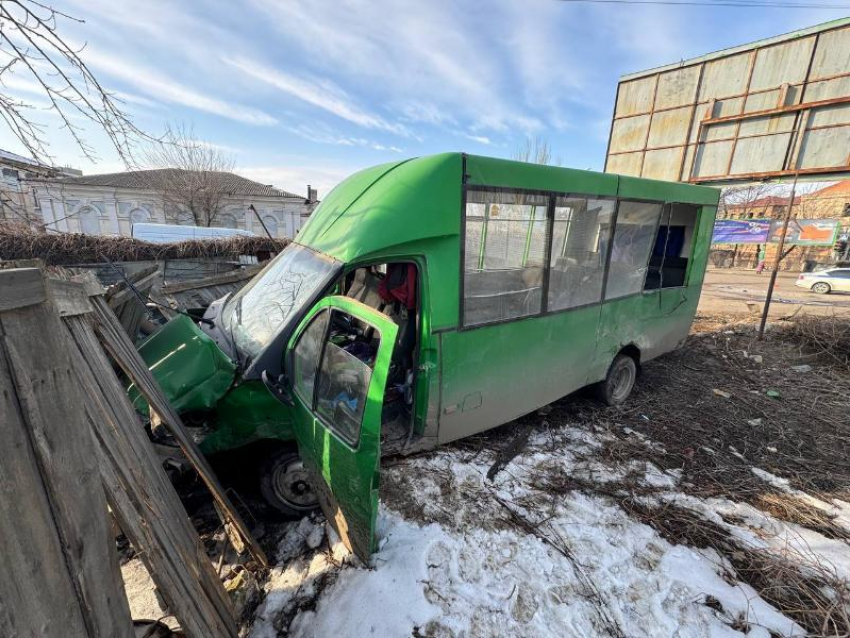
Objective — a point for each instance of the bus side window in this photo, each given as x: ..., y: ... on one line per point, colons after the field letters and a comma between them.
x: 634, y: 237
x: 504, y: 255
x: 670, y: 254
x: 580, y: 234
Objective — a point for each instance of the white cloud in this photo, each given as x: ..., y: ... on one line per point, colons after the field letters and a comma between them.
x: 164, y: 89
x: 321, y: 93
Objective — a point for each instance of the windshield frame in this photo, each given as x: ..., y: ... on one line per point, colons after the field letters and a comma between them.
x: 247, y: 360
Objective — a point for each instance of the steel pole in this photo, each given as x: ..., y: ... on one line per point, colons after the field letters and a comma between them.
x: 778, y: 258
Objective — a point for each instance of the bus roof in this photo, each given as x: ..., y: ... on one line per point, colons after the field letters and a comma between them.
x: 387, y: 208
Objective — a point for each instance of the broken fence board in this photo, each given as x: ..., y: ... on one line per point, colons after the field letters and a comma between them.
x: 60, y: 568
x: 144, y: 501
x: 117, y: 344
x: 21, y: 287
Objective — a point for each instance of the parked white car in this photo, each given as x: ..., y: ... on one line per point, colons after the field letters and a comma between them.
x: 167, y: 233
x: 824, y: 281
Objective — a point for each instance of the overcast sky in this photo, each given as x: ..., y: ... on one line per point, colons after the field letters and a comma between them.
x: 308, y: 92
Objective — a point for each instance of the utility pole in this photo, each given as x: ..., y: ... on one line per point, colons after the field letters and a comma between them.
x: 778, y: 257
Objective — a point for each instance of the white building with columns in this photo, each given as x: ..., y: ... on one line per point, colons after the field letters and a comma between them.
x: 109, y: 204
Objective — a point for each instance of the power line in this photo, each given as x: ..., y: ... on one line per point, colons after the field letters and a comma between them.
x: 752, y: 4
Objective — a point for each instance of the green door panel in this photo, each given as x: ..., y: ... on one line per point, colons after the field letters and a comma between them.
x: 346, y: 477
x: 248, y: 413
x: 493, y: 374
x: 189, y: 367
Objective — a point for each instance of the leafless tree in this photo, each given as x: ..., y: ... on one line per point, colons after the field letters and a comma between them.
x: 32, y: 50
x: 535, y: 151
x: 193, y: 176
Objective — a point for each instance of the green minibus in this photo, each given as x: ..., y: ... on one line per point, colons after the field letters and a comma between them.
x: 427, y: 300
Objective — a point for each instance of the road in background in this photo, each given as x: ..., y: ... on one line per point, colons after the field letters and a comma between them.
x: 733, y: 291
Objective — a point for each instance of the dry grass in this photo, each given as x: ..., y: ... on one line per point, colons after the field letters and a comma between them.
x: 19, y: 242
x: 826, y: 338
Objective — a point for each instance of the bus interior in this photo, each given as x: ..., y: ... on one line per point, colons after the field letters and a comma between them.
x: 392, y: 289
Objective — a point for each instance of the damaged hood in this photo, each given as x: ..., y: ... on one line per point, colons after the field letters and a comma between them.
x: 189, y: 367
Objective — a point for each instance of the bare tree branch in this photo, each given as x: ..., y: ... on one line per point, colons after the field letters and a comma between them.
x: 191, y: 179
x: 535, y: 151
x: 32, y: 48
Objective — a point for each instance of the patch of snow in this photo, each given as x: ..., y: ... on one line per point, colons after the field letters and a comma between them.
x: 776, y: 481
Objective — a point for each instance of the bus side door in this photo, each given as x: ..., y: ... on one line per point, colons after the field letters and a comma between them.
x: 337, y: 364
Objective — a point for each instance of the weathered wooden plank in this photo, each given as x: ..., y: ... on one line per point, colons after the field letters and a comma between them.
x: 216, y: 280
x: 21, y: 287
x: 117, y: 344
x: 69, y: 297
x: 143, y: 500
x: 47, y: 397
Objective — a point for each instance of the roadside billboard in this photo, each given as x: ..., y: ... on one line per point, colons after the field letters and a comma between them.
x: 770, y: 109
x: 801, y: 232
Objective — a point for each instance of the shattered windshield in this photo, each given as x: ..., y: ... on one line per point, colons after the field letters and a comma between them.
x: 256, y: 314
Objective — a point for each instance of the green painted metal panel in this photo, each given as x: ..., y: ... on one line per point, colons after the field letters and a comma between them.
x: 189, y: 367
x: 347, y: 478
x: 248, y: 413
x: 490, y: 171
x: 493, y: 374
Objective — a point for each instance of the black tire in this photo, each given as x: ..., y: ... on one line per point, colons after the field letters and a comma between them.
x: 284, y: 485
x: 821, y: 288
x: 618, y: 383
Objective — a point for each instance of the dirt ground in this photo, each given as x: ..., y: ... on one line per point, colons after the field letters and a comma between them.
x: 736, y: 291
x: 715, y: 502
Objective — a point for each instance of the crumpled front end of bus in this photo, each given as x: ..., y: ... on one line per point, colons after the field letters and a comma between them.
x: 192, y: 371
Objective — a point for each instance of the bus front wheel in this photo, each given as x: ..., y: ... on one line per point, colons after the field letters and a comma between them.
x: 618, y: 383
x: 285, y: 486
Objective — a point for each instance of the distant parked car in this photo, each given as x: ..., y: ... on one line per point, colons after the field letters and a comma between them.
x: 824, y: 281
x: 165, y: 233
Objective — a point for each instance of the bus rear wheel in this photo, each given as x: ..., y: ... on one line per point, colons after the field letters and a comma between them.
x: 618, y: 383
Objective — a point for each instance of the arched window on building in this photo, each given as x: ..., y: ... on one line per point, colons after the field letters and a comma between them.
x: 139, y: 216
x: 271, y: 224
x: 89, y: 219
x: 226, y: 220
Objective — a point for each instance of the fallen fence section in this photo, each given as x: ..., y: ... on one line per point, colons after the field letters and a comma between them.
x: 72, y: 444
x: 59, y: 564
x: 116, y: 342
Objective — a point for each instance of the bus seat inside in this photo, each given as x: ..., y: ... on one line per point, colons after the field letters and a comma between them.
x: 671, y: 251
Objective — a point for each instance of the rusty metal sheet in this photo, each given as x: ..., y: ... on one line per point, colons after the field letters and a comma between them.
x: 832, y: 55
x: 828, y: 89
x: 669, y: 128
x: 663, y: 164
x: 725, y: 77
x: 825, y: 148
x: 712, y: 159
x: 625, y: 164
x: 677, y: 88
x: 754, y: 154
x: 635, y: 97
x: 629, y: 134
x: 784, y: 63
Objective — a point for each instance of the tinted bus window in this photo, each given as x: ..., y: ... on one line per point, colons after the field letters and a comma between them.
x: 505, y: 252
x: 634, y: 236
x: 580, y: 234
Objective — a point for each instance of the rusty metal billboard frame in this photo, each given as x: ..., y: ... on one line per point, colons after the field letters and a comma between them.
x: 770, y: 110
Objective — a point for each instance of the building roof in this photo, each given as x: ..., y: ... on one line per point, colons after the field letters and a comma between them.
x: 158, y: 178
x: 765, y: 202
x: 833, y: 189
x: 8, y: 156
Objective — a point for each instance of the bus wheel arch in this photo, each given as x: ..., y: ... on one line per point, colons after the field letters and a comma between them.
x: 620, y: 379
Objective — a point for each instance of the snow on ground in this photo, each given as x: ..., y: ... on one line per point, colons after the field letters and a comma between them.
x: 463, y: 556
